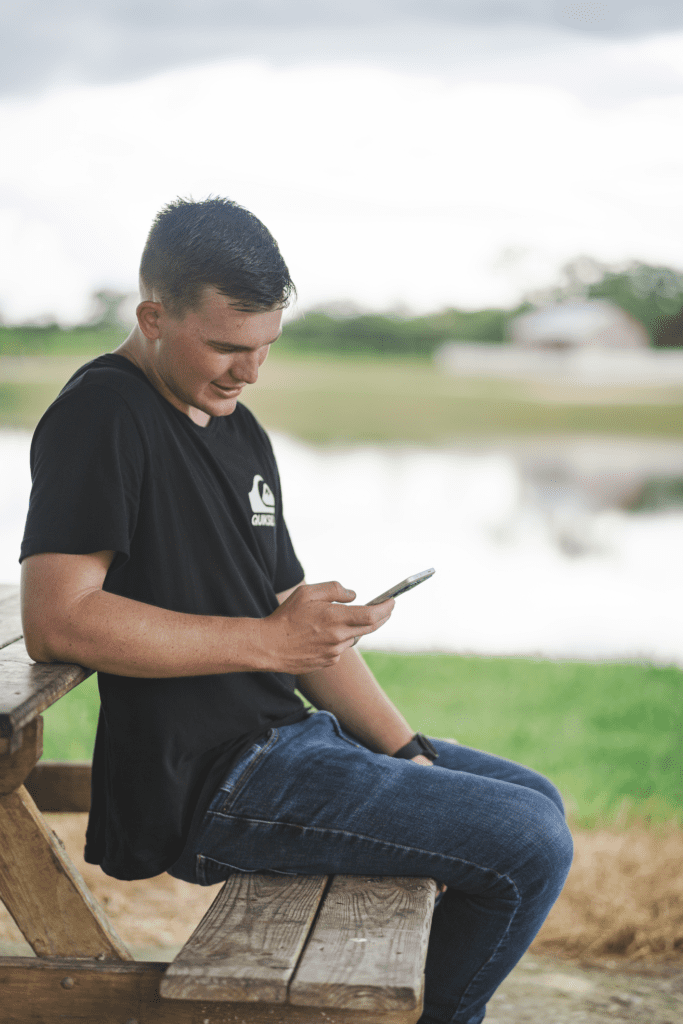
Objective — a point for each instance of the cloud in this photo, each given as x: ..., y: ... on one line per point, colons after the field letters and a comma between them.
x: 106, y: 41
x: 382, y: 187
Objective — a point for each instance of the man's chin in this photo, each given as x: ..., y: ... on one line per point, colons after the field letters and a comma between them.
x: 221, y: 407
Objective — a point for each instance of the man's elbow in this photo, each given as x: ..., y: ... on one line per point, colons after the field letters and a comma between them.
x: 41, y: 643
x: 56, y: 591
x: 50, y: 632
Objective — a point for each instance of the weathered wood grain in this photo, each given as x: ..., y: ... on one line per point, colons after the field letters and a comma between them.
x: 27, y: 689
x: 16, y: 765
x: 85, y: 992
x: 368, y: 947
x: 43, y: 891
x: 247, y: 944
x: 60, y: 785
x: 10, y: 616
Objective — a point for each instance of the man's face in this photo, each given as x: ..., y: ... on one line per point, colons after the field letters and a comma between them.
x: 201, y: 360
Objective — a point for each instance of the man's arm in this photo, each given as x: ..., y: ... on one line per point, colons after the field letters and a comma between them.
x: 68, y: 617
x: 350, y: 691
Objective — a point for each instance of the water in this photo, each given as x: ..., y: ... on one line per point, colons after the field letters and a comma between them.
x: 533, y: 554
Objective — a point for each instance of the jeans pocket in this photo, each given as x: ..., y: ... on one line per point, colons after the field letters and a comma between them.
x: 242, y: 771
x: 339, y: 731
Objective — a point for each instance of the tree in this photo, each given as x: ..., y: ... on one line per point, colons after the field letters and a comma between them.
x: 651, y: 294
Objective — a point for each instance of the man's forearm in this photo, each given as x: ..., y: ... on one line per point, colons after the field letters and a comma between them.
x: 68, y: 616
x: 350, y: 691
x: 124, y: 637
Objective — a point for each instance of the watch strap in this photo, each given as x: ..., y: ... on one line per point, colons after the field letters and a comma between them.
x: 418, y: 745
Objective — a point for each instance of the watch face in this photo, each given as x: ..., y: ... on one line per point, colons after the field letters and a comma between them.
x: 427, y: 747
x: 418, y: 745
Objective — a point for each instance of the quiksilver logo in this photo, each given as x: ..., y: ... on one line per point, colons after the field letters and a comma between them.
x: 262, y: 501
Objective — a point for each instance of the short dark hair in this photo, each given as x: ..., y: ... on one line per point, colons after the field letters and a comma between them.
x: 192, y: 245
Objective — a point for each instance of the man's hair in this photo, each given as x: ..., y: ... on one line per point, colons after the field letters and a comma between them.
x: 213, y: 242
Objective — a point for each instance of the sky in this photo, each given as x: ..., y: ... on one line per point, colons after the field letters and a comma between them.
x: 406, y: 155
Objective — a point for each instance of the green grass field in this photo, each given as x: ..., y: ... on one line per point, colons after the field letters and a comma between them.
x: 609, y: 736
x: 331, y: 399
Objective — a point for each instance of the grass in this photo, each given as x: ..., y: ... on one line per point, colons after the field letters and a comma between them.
x: 55, y: 341
x: 70, y: 724
x: 332, y: 399
x: 610, y: 736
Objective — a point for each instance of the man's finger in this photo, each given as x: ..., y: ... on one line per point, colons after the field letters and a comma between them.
x: 363, y: 630
x: 331, y: 591
x: 363, y: 615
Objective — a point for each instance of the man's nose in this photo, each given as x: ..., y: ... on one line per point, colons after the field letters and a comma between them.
x: 247, y: 368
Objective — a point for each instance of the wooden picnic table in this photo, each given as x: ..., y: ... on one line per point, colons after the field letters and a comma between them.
x: 271, y: 948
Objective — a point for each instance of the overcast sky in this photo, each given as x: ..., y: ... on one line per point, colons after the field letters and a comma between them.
x: 417, y: 153
x: 69, y: 41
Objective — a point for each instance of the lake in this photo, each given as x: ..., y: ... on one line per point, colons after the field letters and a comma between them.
x: 535, y: 550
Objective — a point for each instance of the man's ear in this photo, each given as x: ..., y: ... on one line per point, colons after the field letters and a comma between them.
x: 148, y: 314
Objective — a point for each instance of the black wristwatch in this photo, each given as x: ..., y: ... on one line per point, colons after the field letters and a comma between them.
x: 418, y: 745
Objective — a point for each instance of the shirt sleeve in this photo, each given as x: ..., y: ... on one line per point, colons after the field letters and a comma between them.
x: 87, y: 466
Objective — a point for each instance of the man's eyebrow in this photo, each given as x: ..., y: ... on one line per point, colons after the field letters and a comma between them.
x: 239, y: 348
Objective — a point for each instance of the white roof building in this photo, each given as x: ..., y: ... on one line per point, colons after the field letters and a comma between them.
x: 590, y: 323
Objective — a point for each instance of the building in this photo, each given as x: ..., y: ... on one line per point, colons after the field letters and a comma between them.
x: 586, y: 343
x: 591, y: 323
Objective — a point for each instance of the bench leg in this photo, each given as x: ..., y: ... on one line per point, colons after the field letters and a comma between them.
x: 44, y: 892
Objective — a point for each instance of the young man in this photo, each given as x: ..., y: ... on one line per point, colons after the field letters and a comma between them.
x: 156, y: 552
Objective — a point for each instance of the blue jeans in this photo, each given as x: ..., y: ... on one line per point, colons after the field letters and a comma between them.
x: 309, y: 799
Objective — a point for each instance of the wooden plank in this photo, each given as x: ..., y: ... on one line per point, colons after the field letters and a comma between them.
x: 10, y: 616
x: 60, y: 785
x: 43, y: 891
x: 246, y: 946
x: 16, y: 765
x: 369, y: 945
x: 10, y: 744
x: 27, y: 689
x: 85, y: 992
x: 16, y: 651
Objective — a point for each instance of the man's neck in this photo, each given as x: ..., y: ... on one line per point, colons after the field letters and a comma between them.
x: 133, y: 349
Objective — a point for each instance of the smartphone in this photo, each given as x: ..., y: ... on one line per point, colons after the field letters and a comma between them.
x: 406, y: 584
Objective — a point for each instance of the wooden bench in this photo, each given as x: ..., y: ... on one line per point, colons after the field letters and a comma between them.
x: 270, y: 949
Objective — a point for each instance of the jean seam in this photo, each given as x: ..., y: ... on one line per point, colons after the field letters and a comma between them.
x: 380, y: 842
x: 224, y: 864
x: 246, y: 774
x: 492, y: 957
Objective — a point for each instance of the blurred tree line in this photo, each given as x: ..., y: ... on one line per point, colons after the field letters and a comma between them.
x: 377, y: 333
x: 104, y: 330
x: 651, y: 294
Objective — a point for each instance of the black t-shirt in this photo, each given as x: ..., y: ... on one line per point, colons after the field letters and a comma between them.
x: 194, y: 516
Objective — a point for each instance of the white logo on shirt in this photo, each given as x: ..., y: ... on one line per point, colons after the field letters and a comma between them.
x: 262, y: 501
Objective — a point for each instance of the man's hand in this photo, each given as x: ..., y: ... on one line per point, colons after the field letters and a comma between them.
x: 313, y: 627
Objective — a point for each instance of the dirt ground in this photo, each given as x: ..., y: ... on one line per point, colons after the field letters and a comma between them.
x: 611, y: 949
x: 551, y: 990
